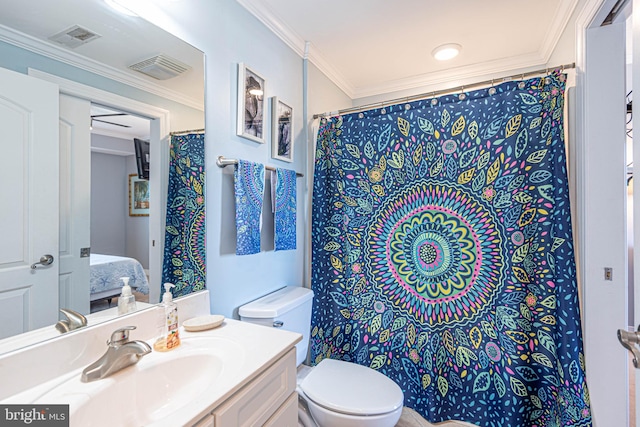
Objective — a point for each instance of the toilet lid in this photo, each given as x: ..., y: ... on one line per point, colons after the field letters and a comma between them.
x: 351, y: 389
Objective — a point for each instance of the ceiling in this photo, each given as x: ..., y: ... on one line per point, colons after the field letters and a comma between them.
x: 371, y: 47
x: 366, y: 47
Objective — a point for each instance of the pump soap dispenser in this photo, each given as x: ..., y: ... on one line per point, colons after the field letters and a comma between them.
x: 126, y: 300
x: 168, y: 337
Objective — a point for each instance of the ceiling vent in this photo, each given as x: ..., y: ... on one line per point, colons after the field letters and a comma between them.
x: 74, y: 37
x: 160, y: 67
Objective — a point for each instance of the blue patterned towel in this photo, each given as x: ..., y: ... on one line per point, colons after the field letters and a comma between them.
x: 249, y: 187
x: 283, y: 200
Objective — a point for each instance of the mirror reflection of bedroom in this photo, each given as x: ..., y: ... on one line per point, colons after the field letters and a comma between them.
x: 119, y: 206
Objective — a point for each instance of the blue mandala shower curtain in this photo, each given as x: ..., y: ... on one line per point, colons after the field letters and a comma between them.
x: 184, y: 248
x: 443, y: 255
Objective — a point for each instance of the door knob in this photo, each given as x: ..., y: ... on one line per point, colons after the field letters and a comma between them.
x: 44, y: 260
x: 630, y: 341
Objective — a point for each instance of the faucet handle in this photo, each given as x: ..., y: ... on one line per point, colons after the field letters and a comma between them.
x: 76, y: 320
x: 120, y: 336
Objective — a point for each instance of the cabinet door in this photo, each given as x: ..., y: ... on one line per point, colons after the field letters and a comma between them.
x: 254, y: 404
x: 286, y: 415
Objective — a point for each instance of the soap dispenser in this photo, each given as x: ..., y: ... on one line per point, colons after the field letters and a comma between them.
x: 126, y: 301
x: 168, y: 334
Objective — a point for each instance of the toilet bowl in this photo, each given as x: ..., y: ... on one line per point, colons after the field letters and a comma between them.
x: 336, y: 393
x: 345, y: 394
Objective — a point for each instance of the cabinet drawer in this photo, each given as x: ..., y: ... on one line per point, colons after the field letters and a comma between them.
x: 254, y: 404
x: 286, y: 415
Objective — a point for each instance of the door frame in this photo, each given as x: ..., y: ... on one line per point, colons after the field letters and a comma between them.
x: 158, y: 180
x: 635, y: 83
x: 607, y: 365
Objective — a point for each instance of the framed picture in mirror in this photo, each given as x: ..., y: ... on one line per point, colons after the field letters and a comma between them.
x: 251, y: 105
x: 282, y: 129
x: 138, y: 196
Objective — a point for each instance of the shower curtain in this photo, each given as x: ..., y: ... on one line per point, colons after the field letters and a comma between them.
x: 184, y: 247
x: 443, y: 256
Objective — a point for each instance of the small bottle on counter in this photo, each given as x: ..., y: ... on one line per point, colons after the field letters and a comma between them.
x: 126, y: 300
x: 169, y: 336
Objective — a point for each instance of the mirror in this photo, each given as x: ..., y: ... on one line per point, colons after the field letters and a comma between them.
x: 116, y: 68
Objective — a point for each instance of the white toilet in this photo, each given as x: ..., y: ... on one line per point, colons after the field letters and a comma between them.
x: 337, y: 393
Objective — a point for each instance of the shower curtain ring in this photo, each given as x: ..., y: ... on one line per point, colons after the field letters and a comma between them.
x: 462, y: 96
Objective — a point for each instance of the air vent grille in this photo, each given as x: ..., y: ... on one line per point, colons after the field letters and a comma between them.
x: 74, y: 36
x: 160, y: 67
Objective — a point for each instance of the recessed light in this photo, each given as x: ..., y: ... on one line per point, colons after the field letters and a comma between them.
x: 117, y: 5
x: 446, y: 51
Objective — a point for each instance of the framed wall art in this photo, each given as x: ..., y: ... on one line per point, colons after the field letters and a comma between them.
x: 251, y: 104
x: 138, y: 196
x: 282, y: 131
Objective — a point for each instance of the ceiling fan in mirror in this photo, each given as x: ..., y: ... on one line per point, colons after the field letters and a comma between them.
x: 98, y: 118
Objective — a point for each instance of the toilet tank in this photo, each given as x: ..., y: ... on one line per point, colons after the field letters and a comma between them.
x: 288, y: 308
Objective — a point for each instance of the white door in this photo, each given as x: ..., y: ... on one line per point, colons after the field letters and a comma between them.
x: 603, y: 234
x: 75, y: 202
x: 29, y: 202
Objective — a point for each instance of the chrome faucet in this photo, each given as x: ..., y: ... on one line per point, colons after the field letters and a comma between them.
x: 120, y: 354
x: 73, y: 321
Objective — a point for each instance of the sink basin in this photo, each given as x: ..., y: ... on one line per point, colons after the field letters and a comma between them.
x: 159, y: 385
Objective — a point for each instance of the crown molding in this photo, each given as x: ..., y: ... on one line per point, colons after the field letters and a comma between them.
x: 560, y: 21
x: 331, y: 72
x: 503, y: 66
x: 116, y: 134
x: 454, y: 77
x: 109, y: 150
x: 263, y: 14
x: 56, y: 53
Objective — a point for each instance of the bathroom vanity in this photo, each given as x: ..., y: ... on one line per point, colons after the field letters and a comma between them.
x: 269, y: 399
x: 237, y: 374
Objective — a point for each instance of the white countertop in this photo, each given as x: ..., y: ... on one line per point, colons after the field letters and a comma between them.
x: 253, y: 349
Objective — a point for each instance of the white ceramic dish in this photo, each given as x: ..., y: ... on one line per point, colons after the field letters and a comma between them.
x: 202, y: 323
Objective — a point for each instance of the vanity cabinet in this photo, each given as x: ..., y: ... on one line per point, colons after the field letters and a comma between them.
x: 205, y: 422
x: 269, y: 399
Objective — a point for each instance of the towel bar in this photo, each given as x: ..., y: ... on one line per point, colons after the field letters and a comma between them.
x: 223, y: 162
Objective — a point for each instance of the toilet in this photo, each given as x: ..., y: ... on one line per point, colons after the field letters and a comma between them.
x: 336, y: 393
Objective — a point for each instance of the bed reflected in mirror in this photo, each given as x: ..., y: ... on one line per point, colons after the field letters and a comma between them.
x: 107, y: 280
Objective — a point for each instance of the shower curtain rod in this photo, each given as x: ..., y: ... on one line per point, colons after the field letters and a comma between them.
x: 223, y: 162
x: 182, y: 132
x: 433, y: 94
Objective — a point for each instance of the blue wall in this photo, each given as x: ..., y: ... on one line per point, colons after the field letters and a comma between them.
x: 228, y: 34
x: 113, y: 231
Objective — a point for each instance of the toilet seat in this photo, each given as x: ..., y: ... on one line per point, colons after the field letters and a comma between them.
x: 352, y: 389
